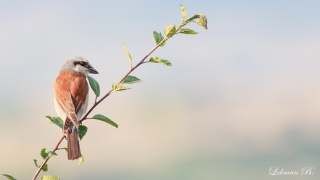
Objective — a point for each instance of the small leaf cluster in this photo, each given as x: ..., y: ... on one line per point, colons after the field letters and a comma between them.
x: 170, y: 30
x: 44, y: 155
x: 82, y: 129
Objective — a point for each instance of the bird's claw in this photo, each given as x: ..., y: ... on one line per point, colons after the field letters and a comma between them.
x: 65, y: 135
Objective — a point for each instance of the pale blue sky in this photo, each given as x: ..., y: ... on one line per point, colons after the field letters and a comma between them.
x: 240, y: 97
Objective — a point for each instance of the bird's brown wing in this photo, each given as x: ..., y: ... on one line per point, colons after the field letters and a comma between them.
x: 79, y: 91
x: 70, y: 90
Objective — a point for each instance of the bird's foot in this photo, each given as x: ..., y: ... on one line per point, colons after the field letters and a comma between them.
x: 65, y: 135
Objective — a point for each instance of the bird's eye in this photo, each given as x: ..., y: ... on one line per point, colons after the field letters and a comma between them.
x: 84, y: 64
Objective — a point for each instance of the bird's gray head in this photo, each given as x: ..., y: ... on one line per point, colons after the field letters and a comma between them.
x: 78, y: 65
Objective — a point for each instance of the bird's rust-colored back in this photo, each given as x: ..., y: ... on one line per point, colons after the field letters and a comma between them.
x: 70, y: 91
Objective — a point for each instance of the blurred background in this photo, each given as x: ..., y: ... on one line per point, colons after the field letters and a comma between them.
x: 240, y: 98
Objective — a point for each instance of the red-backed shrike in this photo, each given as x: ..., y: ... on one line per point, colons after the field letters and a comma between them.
x: 71, y: 99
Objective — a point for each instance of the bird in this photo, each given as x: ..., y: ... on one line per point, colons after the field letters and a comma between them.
x: 71, y: 99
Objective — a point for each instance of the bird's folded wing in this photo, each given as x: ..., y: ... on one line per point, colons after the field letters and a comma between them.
x: 65, y: 102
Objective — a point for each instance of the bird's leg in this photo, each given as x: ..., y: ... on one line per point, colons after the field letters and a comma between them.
x: 65, y: 134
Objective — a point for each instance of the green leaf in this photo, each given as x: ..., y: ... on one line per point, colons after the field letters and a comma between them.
x: 156, y: 59
x: 49, y: 177
x: 170, y: 30
x: 56, y: 120
x: 158, y: 38
x: 43, y: 153
x: 9, y: 177
x: 187, y: 31
x: 131, y: 80
x: 199, y: 19
x: 80, y: 160
x: 105, y: 119
x: 166, y: 62
x: 45, y: 168
x: 183, y: 12
x: 51, y: 153
x: 118, y: 87
x: 202, y: 21
x: 94, y: 85
x: 82, y: 131
x: 66, y: 149
x: 128, y: 54
x: 35, y: 162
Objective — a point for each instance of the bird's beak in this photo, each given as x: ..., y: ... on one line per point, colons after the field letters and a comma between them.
x: 93, y: 71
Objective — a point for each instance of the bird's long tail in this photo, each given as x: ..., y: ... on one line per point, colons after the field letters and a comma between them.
x: 73, y: 144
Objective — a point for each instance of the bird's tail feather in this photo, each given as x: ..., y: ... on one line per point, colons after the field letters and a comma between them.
x: 73, y: 144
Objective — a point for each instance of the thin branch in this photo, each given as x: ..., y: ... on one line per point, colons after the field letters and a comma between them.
x: 46, y: 160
